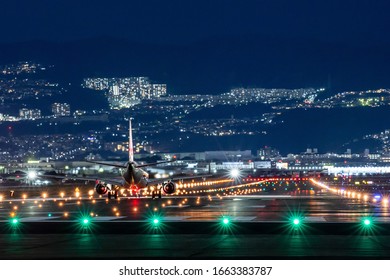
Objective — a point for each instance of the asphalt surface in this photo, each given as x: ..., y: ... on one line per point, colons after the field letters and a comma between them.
x: 260, y: 224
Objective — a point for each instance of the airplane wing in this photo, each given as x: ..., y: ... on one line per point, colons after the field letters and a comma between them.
x: 154, y: 163
x: 124, y: 166
x: 162, y: 180
x: 112, y: 181
x: 108, y: 164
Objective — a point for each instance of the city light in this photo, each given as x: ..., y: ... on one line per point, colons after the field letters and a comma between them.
x: 32, y: 175
x: 234, y: 173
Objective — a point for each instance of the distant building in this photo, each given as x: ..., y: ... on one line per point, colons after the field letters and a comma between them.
x: 60, y: 109
x: 267, y: 153
x: 29, y: 114
x: 126, y: 92
x: 311, y: 151
x: 266, y: 164
x: 159, y: 90
x: 228, y: 155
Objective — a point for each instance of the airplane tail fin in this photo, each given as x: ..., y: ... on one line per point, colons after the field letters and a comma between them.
x: 131, y: 147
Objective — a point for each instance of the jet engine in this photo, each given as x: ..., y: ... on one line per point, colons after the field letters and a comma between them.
x: 169, y: 187
x: 101, y: 188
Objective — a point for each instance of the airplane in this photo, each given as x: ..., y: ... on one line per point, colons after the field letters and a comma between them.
x: 134, y: 177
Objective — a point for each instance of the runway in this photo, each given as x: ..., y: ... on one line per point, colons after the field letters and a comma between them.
x: 260, y: 224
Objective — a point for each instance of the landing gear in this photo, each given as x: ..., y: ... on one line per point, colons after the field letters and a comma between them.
x: 113, y: 193
x: 156, y: 193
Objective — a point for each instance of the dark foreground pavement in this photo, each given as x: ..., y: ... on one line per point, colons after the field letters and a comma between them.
x: 194, y: 240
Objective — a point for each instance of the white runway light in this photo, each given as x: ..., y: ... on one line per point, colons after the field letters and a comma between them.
x: 32, y: 175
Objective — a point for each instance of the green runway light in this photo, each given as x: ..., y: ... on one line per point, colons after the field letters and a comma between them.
x: 85, y: 221
x: 15, y: 221
x: 225, y: 221
x: 156, y: 221
x: 296, y: 222
x: 367, y: 222
x: 49, y: 215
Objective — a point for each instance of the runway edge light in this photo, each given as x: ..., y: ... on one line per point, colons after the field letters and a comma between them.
x: 225, y: 221
x: 85, y: 221
x: 367, y: 222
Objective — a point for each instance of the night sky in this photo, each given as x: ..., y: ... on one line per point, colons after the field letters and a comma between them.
x: 205, y: 46
x: 182, y: 22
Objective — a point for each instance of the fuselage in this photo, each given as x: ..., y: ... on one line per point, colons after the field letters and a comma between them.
x: 134, y: 176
